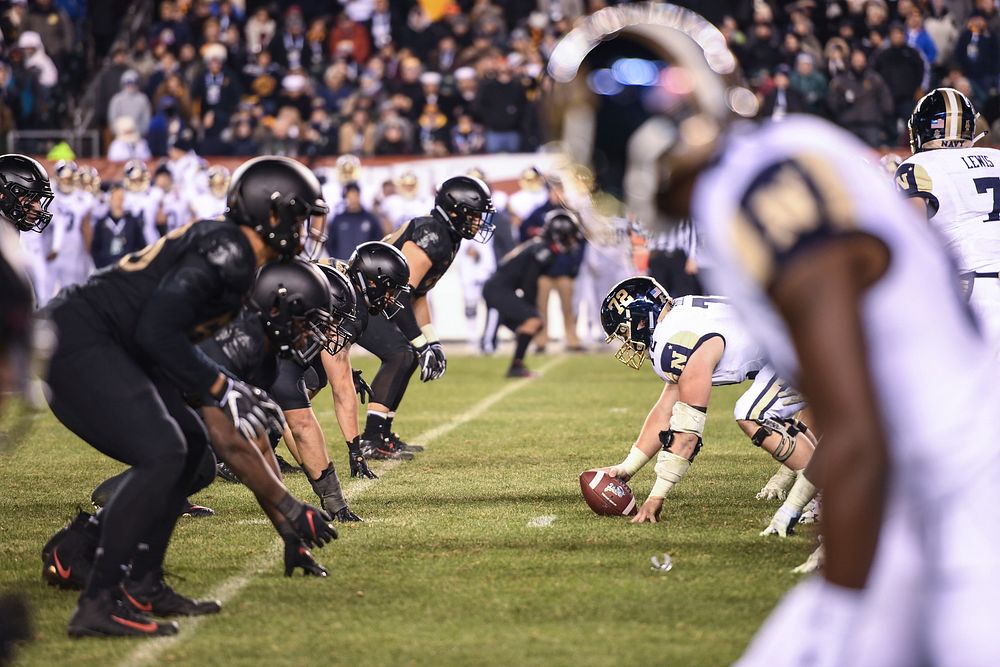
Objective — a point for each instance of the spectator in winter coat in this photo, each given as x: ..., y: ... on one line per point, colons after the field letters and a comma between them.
x: 130, y: 102
x: 904, y: 70
x: 860, y: 100
x: 810, y: 83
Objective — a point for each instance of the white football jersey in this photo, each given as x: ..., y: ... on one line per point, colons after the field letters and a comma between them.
x: 783, y: 187
x: 206, y: 205
x: 145, y: 205
x: 68, y: 212
x: 524, y: 202
x: 399, y: 210
x: 694, y: 320
x: 962, y: 189
x: 177, y: 209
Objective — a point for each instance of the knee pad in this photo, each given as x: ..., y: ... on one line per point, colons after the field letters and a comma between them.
x: 667, y: 439
x: 786, y: 446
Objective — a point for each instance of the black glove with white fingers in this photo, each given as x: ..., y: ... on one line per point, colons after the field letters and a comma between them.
x: 251, y: 410
x: 431, y: 361
x: 362, y: 387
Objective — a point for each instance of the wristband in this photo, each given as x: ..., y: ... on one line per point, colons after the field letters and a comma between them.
x: 419, y: 342
x: 635, y: 460
x: 289, y: 507
x: 430, y: 333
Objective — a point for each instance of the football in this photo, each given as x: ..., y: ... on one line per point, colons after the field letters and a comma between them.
x: 607, y: 495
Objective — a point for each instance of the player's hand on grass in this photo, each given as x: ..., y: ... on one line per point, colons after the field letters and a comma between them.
x: 650, y: 511
x: 359, y: 466
x: 310, y: 523
x: 298, y: 555
x: 813, y: 563
x: 782, y: 523
x: 777, y: 487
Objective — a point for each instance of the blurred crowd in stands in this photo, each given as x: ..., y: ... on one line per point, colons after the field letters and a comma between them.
x: 437, y: 77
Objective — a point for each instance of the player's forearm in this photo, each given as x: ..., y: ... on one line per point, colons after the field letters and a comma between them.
x: 345, y: 401
x: 243, y: 456
x: 406, y: 320
x: 853, y: 501
x: 421, y: 311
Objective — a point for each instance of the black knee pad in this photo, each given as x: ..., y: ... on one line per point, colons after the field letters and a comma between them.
x: 667, y: 439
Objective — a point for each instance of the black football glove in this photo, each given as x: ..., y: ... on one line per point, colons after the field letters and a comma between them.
x: 359, y: 466
x: 251, y: 410
x: 297, y: 555
x: 363, y: 388
x: 309, y: 523
x: 440, y: 362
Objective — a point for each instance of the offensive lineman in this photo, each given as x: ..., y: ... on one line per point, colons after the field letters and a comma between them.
x: 696, y: 343
x: 126, y: 361
x: 829, y: 267
x: 463, y: 209
x: 957, y: 185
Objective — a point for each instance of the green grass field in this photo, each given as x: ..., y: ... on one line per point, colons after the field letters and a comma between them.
x: 446, y: 569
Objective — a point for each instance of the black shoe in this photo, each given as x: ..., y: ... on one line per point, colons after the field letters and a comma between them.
x: 287, y: 468
x: 344, y: 515
x: 521, y: 372
x: 224, y: 472
x: 394, y: 438
x: 68, y: 556
x: 105, y: 615
x: 197, y: 511
x: 153, y: 596
x: 380, y: 449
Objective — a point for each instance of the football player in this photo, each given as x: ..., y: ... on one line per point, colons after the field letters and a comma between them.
x: 174, y: 209
x: 531, y: 195
x: 512, y: 292
x: 476, y: 263
x: 25, y: 197
x: 696, y: 343
x: 957, y: 185
x: 347, y: 169
x: 141, y: 199
x: 126, y: 365
x: 829, y: 268
x: 69, y: 256
x: 290, y: 313
x: 407, y: 203
x: 212, y: 202
x: 463, y: 209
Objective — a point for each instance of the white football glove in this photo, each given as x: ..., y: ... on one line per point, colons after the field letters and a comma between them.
x: 782, y: 523
x: 813, y: 563
x: 777, y: 487
x: 811, y: 512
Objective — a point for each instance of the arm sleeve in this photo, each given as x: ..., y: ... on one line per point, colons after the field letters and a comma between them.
x: 162, y: 331
x: 405, y: 320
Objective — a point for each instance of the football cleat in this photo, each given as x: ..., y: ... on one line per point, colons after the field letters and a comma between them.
x: 287, y: 468
x: 68, y: 556
x: 521, y: 372
x: 196, y: 511
x: 105, y: 615
x: 297, y: 555
x: 153, y: 596
x: 380, y: 449
x: 344, y: 515
x: 223, y: 471
x: 394, y: 438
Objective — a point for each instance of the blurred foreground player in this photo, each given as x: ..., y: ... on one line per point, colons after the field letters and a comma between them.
x: 25, y: 197
x: 826, y: 264
x: 126, y: 366
x: 512, y: 292
x: 463, y: 209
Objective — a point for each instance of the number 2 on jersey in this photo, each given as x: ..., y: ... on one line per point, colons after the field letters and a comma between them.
x: 983, y: 185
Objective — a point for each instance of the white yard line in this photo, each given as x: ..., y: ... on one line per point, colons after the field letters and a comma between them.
x: 151, y: 649
x: 543, y: 521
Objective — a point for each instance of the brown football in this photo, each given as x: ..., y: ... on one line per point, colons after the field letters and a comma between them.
x: 606, y: 495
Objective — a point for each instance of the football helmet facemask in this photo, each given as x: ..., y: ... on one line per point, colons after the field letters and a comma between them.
x: 629, y: 313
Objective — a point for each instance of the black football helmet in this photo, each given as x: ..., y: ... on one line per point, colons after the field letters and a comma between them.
x: 341, y: 331
x: 381, y: 274
x: 25, y: 192
x: 561, y: 230
x: 466, y: 204
x: 943, y: 118
x: 629, y: 314
x: 295, y: 305
x: 275, y: 185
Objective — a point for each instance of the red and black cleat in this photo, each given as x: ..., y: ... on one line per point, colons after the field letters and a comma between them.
x: 105, y: 615
x: 68, y: 556
x: 196, y: 511
x: 394, y: 438
x: 153, y: 596
x: 381, y: 449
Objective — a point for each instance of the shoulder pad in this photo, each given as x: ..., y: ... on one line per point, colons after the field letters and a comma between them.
x: 913, y: 180
x: 243, y: 342
x: 433, y: 238
x: 227, y: 250
x: 542, y: 252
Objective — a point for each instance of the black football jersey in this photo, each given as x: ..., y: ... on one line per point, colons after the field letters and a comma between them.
x: 521, y: 268
x: 241, y: 347
x: 179, y: 290
x: 437, y: 239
